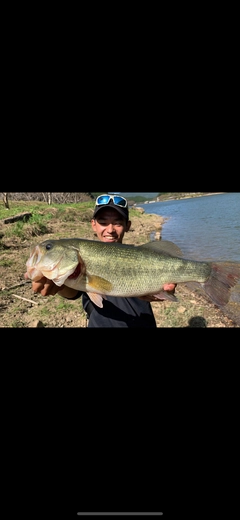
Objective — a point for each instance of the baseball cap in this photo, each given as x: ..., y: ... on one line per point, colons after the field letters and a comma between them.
x: 117, y: 202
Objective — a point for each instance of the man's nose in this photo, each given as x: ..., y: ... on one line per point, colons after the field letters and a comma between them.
x: 110, y: 227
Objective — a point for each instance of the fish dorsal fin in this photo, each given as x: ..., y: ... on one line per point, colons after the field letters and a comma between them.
x: 163, y: 246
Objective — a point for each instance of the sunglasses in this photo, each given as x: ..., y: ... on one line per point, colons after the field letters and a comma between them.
x: 117, y: 201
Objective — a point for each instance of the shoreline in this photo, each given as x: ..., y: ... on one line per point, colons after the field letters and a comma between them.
x: 188, y: 196
x: 202, y: 195
x: 152, y: 223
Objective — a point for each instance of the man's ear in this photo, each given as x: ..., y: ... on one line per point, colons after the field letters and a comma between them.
x: 129, y: 223
x: 93, y: 223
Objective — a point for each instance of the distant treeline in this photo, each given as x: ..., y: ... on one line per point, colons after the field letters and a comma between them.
x: 60, y: 197
x: 67, y: 198
x: 49, y: 197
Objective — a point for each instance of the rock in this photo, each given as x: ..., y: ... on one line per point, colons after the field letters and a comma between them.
x: 37, y: 324
x: 141, y: 210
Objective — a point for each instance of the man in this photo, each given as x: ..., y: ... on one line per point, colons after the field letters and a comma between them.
x: 110, y: 222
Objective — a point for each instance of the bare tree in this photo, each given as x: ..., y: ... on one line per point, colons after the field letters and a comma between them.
x: 5, y: 200
x: 52, y: 198
x: 49, y: 198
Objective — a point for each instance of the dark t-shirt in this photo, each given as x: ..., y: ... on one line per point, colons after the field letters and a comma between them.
x: 120, y: 312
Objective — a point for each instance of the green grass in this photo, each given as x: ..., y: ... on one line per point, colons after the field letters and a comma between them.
x: 6, y: 263
x: 22, y: 229
x: 35, y: 207
x: 42, y: 214
x: 17, y: 207
x: 44, y: 311
x: 64, y: 305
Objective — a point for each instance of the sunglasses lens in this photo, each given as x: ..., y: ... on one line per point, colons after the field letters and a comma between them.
x: 103, y: 199
x: 119, y: 201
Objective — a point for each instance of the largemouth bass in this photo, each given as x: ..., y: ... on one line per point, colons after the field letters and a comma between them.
x: 101, y: 269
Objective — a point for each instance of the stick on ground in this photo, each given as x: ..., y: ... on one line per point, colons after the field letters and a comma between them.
x: 25, y: 299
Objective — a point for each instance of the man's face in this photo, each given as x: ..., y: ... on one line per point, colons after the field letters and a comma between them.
x: 109, y: 225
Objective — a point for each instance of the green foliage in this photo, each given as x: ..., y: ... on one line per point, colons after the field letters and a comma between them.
x: 139, y: 199
x: 41, y: 208
x: 44, y: 311
x: 64, y: 305
x: 35, y: 226
x: 15, y: 230
x: 18, y: 207
x: 5, y: 262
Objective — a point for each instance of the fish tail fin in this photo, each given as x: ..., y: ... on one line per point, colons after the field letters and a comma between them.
x: 223, y: 276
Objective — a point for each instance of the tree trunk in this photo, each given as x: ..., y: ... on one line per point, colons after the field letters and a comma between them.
x: 5, y: 200
x: 49, y: 198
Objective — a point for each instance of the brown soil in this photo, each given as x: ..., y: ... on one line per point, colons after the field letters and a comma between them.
x: 20, y: 307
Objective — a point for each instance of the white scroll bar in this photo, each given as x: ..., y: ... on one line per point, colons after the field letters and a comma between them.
x: 118, y: 514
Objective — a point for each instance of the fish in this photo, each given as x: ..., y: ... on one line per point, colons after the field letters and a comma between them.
x: 112, y: 269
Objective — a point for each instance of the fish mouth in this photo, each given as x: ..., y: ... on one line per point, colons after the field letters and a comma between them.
x: 53, y: 272
x: 34, y: 272
x: 35, y: 257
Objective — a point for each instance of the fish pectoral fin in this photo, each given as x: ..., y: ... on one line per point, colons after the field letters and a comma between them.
x: 98, y: 283
x: 165, y: 295
x: 96, y: 298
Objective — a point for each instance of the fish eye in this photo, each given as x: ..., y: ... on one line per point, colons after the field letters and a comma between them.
x: 49, y: 246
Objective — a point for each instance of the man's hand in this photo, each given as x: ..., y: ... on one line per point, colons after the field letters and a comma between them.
x: 169, y: 287
x: 47, y: 287
x: 44, y: 286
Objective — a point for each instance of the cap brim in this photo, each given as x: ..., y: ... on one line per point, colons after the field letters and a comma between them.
x: 122, y: 211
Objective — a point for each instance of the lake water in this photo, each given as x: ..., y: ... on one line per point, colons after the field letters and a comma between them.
x: 205, y: 228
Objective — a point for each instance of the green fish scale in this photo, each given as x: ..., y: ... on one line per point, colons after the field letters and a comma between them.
x: 134, y: 271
